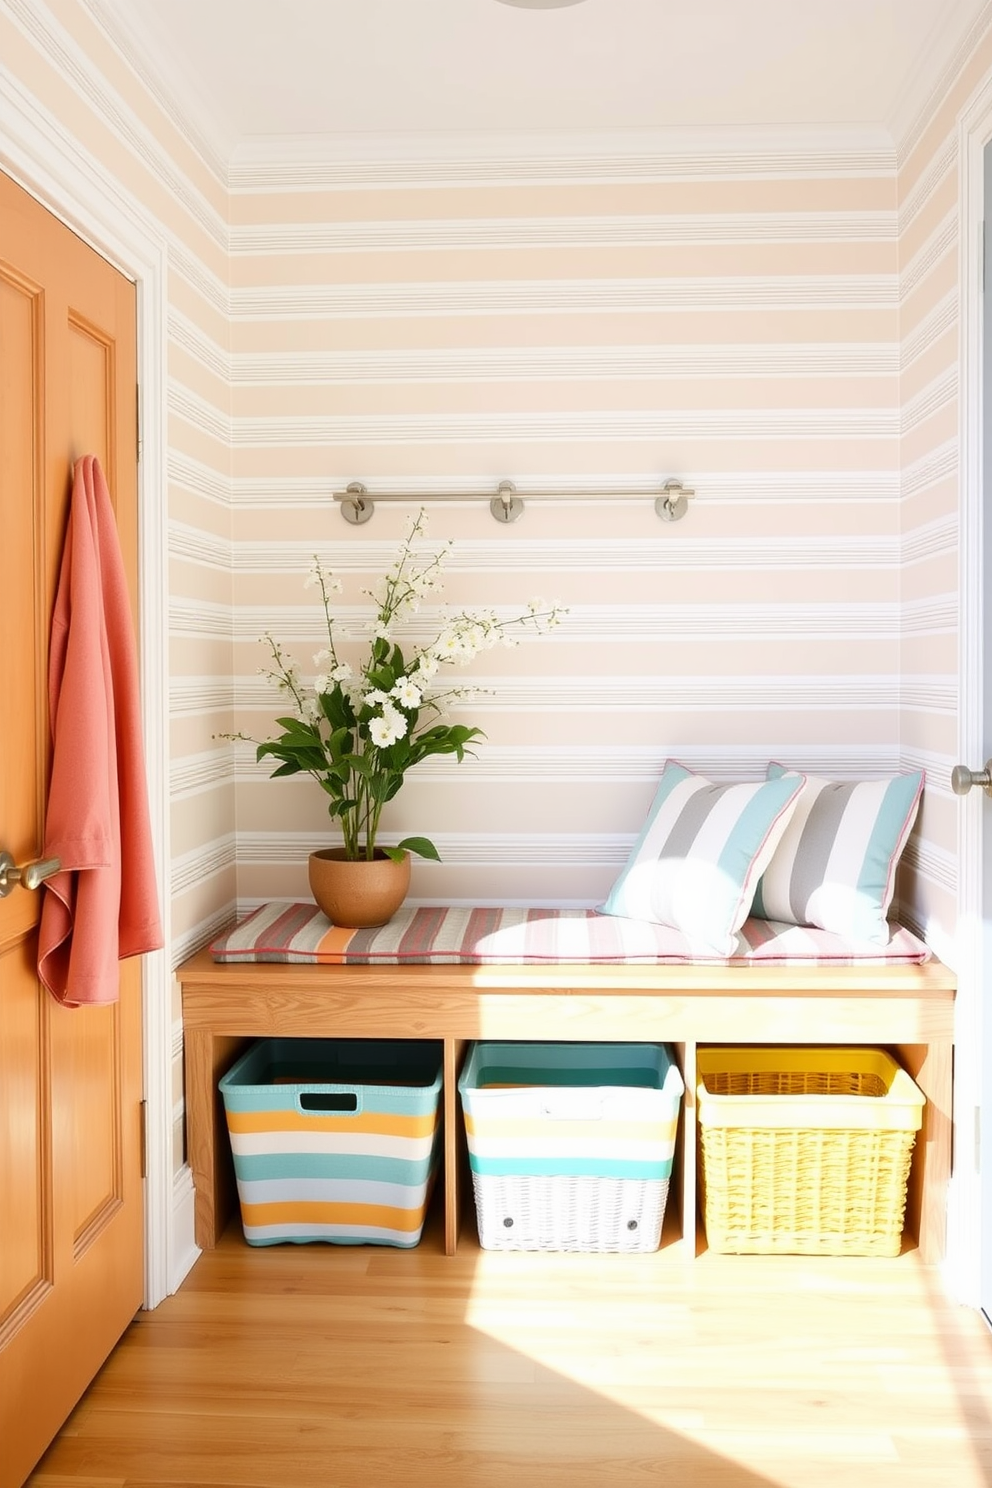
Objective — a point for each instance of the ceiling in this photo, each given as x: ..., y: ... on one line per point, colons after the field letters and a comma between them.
x: 248, y: 72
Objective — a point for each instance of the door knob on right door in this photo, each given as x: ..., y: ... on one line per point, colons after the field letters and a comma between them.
x: 962, y: 779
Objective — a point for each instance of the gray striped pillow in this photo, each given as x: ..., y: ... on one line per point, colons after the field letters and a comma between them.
x: 835, y: 864
x: 700, y: 854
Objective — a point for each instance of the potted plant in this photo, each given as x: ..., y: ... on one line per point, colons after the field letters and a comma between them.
x: 357, y: 729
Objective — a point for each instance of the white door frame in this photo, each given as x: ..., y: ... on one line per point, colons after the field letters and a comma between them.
x: 39, y: 155
x: 964, y: 1218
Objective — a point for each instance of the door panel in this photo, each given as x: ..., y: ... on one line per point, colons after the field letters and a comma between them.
x: 71, y: 1236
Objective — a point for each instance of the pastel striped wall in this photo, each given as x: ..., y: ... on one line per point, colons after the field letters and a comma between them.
x: 733, y: 321
x: 776, y: 326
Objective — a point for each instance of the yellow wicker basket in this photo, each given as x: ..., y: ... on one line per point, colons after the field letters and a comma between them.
x: 805, y: 1151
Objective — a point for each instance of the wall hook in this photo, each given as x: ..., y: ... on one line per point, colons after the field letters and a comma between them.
x: 357, y: 505
x: 506, y: 505
x: 673, y: 503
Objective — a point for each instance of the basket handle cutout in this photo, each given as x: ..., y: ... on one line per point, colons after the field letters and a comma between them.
x: 329, y: 1100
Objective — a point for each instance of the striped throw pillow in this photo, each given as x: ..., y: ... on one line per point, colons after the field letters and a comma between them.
x: 835, y: 866
x: 703, y: 848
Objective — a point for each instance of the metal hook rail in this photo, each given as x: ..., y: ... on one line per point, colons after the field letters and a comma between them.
x: 507, y: 505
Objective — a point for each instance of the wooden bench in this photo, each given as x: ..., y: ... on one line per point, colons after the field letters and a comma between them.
x: 908, y: 1009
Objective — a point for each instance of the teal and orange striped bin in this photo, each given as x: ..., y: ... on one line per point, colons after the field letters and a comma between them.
x: 335, y: 1140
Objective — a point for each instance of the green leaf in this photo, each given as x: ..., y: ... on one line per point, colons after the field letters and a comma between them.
x: 337, y: 708
x: 340, y: 743
x: 297, y: 728
x: 422, y: 846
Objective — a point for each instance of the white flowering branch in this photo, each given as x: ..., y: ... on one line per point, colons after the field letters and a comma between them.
x: 358, y: 734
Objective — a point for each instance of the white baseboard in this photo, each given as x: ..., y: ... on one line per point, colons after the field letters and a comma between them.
x: 184, y: 1249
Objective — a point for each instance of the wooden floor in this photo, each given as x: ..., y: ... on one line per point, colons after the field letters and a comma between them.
x: 336, y: 1367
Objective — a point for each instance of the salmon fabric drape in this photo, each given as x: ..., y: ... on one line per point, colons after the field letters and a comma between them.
x: 103, y: 905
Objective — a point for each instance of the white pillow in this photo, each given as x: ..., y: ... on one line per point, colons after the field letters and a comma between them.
x: 700, y: 855
x: 835, y: 866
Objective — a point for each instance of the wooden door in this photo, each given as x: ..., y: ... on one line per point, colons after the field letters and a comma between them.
x: 71, y: 1227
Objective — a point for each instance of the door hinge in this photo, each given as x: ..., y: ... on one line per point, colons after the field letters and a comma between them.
x: 143, y: 1136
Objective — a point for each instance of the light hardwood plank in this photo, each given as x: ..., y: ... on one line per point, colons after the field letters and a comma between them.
x: 354, y: 1367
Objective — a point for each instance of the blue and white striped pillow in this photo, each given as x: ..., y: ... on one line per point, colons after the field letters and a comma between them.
x: 703, y: 848
x: 835, y: 866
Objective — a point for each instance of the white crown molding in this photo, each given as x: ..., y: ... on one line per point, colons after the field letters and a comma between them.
x: 167, y: 80
x: 371, y: 161
x: 63, y: 53
x: 950, y: 45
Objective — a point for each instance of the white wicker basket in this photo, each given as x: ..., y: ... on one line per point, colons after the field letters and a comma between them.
x: 569, y: 1213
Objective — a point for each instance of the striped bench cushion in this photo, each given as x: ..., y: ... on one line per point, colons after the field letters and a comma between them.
x: 301, y: 934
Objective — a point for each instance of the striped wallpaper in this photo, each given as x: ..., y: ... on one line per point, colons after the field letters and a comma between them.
x: 738, y: 329
x: 775, y: 326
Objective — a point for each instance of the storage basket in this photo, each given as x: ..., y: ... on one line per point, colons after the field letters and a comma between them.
x: 570, y: 1145
x: 805, y: 1150
x: 334, y: 1140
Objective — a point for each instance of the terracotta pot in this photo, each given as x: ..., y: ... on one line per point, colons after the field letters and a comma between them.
x: 358, y: 894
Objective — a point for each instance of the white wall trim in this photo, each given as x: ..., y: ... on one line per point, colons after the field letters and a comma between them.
x: 372, y: 161
x: 964, y: 1214
x: 37, y: 151
x: 924, y: 92
x: 184, y: 1250
x: 198, y: 128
